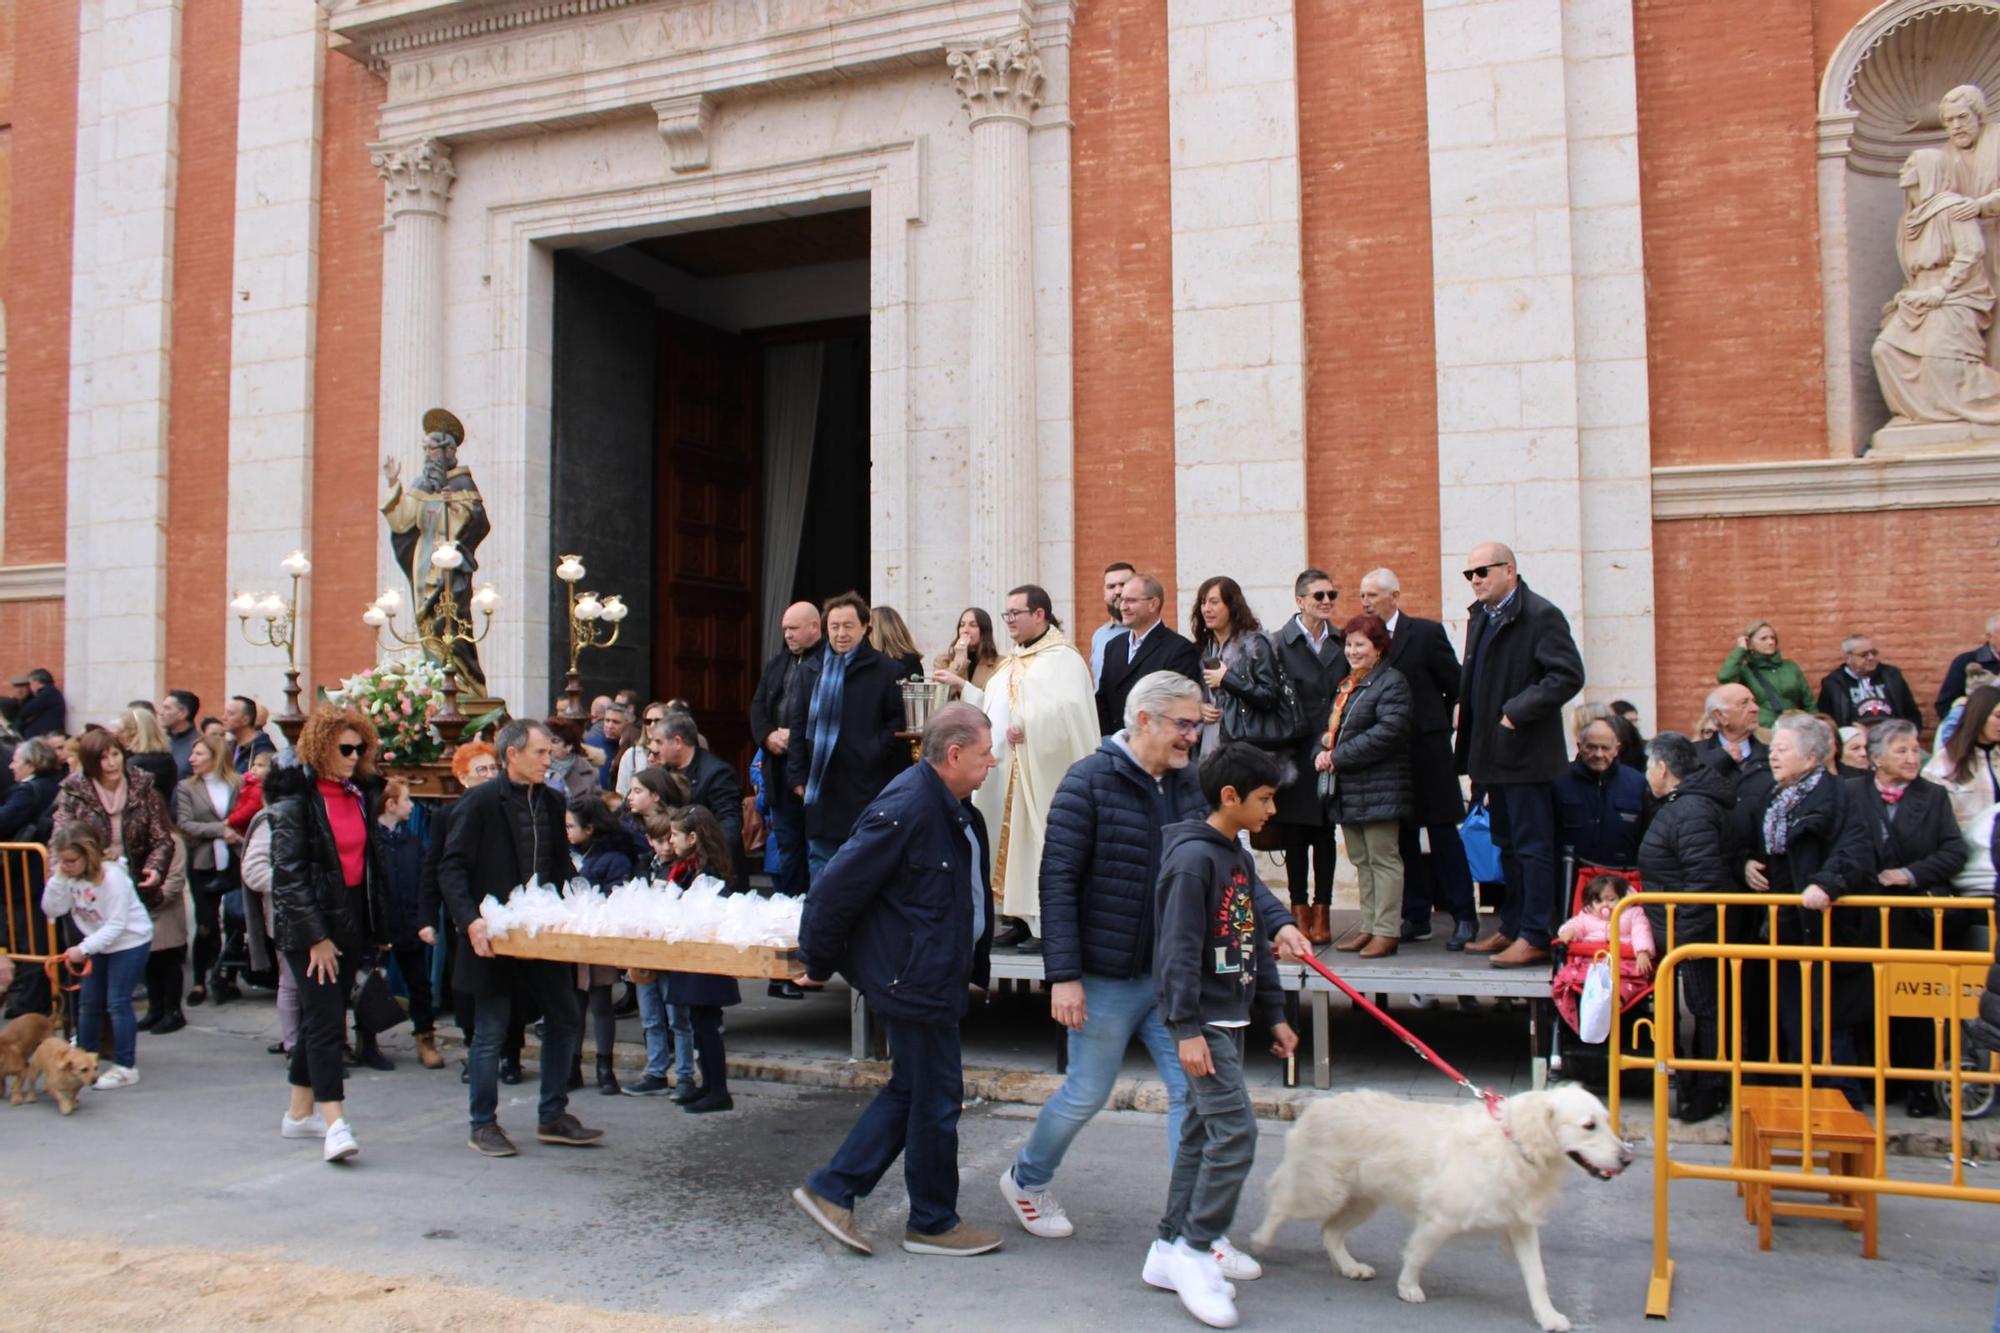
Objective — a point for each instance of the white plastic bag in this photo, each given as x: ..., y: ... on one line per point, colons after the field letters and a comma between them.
x: 1593, y: 1011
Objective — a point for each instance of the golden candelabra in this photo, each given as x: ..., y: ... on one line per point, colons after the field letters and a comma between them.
x: 447, y: 628
x: 588, y: 614
x: 278, y: 627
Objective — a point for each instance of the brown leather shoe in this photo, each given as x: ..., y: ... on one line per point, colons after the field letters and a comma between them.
x: 1493, y: 943
x: 1519, y: 954
x: 1354, y: 943
x: 1379, y: 946
x: 427, y: 1051
x: 1320, y: 931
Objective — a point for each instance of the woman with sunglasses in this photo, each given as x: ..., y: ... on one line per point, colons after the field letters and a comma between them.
x: 329, y: 898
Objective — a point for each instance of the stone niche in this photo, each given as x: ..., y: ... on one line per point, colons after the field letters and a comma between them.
x: 1878, y: 103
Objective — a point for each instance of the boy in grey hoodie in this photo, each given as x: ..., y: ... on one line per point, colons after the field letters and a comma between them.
x: 1212, y: 967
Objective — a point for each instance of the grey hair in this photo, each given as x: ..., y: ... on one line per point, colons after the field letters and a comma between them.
x: 515, y: 736
x: 1813, y: 735
x: 1307, y: 577
x: 1847, y: 644
x: 1882, y: 733
x: 1714, y: 701
x: 954, y: 724
x: 1993, y: 622
x: 680, y: 726
x: 1385, y: 579
x: 1674, y: 750
x: 1154, y: 692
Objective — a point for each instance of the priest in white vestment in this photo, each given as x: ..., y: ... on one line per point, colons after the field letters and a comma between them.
x: 1044, y: 714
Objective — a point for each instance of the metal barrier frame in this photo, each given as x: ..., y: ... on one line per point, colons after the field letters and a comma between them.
x: 13, y: 885
x: 1882, y: 962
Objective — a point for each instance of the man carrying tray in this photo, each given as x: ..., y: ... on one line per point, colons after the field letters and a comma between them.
x: 504, y: 833
x: 904, y: 910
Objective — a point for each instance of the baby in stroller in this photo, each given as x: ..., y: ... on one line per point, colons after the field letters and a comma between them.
x: 1588, y: 933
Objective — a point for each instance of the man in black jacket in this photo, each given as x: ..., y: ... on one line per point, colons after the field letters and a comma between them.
x: 777, y: 691
x: 1148, y: 647
x: 1100, y: 865
x: 1733, y: 751
x: 712, y: 784
x: 843, y: 745
x: 1863, y: 686
x: 905, y: 912
x: 1953, y: 687
x: 1521, y: 667
x: 44, y: 710
x: 1422, y: 651
x: 1311, y: 650
x: 504, y: 833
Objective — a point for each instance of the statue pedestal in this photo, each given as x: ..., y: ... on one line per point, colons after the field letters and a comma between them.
x: 1905, y: 438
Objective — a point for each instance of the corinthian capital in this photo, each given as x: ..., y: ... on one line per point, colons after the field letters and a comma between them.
x: 1002, y: 78
x: 416, y: 176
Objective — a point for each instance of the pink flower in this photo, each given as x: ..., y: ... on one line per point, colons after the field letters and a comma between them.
x: 407, y: 709
x: 389, y: 754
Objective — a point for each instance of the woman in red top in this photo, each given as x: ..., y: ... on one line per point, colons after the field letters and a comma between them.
x: 329, y: 899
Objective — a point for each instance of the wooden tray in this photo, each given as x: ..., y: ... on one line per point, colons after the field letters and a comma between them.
x: 724, y: 960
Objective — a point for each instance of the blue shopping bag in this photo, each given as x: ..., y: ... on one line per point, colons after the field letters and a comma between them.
x: 1480, y: 854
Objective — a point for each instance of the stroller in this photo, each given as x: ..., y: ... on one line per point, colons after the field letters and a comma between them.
x: 1569, y: 1054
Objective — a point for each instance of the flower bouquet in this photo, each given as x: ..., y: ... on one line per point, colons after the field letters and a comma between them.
x: 399, y: 697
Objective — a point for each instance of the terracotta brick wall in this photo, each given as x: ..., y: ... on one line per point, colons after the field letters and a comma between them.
x: 1832, y: 21
x: 1920, y: 582
x: 1726, y: 174
x: 31, y: 635
x: 1120, y: 219
x: 198, y: 408
x: 1371, y: 371
x: 346, y: 375
x: 42, y: 148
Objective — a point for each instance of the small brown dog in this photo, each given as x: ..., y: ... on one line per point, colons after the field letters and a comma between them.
x: 18, y: 1041
x: 63, y: 1070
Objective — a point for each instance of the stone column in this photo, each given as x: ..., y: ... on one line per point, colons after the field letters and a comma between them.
x: 1000, y: 84
x: 416, y: 178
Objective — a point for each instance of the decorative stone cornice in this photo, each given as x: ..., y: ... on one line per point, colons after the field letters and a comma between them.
x: 1832, y: 486
x: 998, y: 79
x: 416, y: 176
x: 30, y: 583
x: 684, y: 127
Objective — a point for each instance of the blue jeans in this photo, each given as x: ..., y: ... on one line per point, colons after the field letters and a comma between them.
x: 1114, y: 1011
x: 1524, y: 829
x: 109, y: 985
x: 818, y: 852
x: 667, y: 1031
x: 553, y: 986
x: 915, y: 1116
x: 788, y: 830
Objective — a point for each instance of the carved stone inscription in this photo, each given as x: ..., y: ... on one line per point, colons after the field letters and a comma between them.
x: 629, y: 39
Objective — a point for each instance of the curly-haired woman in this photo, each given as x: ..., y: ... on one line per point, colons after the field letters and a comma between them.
x: 329, y: 898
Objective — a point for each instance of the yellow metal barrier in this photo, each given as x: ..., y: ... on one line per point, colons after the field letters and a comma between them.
x: 31, y: 937
x: 1936, y: 983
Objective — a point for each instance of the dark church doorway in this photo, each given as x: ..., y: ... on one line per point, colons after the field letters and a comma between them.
x: 709, y: 455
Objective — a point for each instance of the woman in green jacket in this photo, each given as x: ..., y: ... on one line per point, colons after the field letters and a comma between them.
x: 1776, y: 680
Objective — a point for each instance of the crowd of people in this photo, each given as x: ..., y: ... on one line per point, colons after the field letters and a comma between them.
x: 1096, y: 805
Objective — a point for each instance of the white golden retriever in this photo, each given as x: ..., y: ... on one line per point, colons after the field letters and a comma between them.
x: 1452, y: 1168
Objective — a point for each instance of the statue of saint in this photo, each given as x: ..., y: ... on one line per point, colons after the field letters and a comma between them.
x: 444, y: 505
x: 1972, y: 149
x: 1930, y: 356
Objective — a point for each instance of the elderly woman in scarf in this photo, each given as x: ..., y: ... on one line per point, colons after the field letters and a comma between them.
x: 1800, y: 841
x: 1930, y: 356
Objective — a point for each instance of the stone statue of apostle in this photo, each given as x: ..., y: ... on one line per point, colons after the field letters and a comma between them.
x: 444, y: 505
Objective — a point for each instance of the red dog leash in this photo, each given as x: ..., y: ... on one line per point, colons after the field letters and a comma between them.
x: 1410, y: 1039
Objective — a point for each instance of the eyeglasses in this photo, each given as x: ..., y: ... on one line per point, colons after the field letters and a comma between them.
x: 1186, y: 726
x: 1324, y: 596
x: 353, y: 751
x: 1480, y: 571
x: 482, y: 771
x: 1011, y: 614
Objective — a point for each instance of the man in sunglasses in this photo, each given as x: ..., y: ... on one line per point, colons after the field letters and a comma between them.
x: 1521, y: 667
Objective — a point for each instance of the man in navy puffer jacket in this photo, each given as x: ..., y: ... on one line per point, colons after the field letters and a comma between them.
x: 1100, y: 864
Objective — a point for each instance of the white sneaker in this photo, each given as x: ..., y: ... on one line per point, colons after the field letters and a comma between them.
x: 1196, y: 1279
x: 311, y: 1127
x: 1157, y: 1274
x: 1036, y: 1210
x: 340, y: 1144
x: 116, y: 1076
x: 1233, y: 1262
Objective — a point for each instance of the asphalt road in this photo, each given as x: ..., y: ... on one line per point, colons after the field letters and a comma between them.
x: 688, y: 1215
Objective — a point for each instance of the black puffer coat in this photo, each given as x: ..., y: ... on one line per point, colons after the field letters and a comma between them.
x: 1682, y: 852
x: 1254, y: 683
x: 1101, y: 860
x: 309, y: 899
x: 1371, y: 755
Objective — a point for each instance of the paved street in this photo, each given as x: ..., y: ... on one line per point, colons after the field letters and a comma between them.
x: 686, y: 1216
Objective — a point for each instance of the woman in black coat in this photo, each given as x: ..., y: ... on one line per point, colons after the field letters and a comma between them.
x: 1314, y: 670
x: 1907, y: 841
x: 1365, y: 776
x: 1244, y: 685
x: 330, y: 911
x: 1797, y: 842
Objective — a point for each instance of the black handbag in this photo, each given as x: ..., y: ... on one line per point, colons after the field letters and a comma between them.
x: 1268, y: 728
x: 375, y: 1009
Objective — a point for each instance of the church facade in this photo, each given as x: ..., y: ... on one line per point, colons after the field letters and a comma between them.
x: 1209, y: 286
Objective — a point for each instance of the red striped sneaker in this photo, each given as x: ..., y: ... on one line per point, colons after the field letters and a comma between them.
x: 1036, y: 1210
